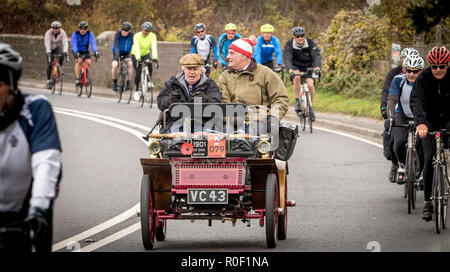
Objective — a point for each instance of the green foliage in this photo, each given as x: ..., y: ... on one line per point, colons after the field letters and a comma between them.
x: 353, y: 39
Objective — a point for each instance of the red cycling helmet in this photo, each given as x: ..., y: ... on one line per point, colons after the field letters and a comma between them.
x: 438, y: 55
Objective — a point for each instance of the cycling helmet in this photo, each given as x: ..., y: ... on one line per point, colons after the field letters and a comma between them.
x: 83, y: 24
x: 10, y: 65
x: 298, y: 30
x: 126, y: 26
x: 230, y: 26
x: 438, y: 55
x: 409, y: 52
x: 147, y: 26
x: 415, y: 62
x: 56, y: 24
x: 267, y: 28
x: 199, y: 26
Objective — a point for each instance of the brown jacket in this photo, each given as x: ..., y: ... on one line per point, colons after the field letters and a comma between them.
x: 257, y: 85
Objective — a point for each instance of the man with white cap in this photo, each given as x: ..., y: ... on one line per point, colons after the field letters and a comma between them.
x: 250, y: 83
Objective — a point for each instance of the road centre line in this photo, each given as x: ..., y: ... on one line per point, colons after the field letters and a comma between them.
x: 102, y: 119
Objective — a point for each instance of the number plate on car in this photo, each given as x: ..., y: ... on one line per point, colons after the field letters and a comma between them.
x: 213, y: 147
x: 207, y: 196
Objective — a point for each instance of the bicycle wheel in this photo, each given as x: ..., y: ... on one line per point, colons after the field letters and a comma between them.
x: 88, y: 84
x: 54, y: 78
x: 410, y: 180
x: 60, y: 80
x: 141, y: 99
x: 79, y: 89
x: 302, y: 117
x: 444, y: 200
x: 310, y: 122
x: 437, y: 190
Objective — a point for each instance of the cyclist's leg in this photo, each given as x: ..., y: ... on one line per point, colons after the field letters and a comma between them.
x: 114, y: 69
x: 400, y: 136
x: 296, y: 88
x: 138, y: 70
x: 428, y: 149
x: 130, y: 72
x: 78, y: 63
x: 149, y: 65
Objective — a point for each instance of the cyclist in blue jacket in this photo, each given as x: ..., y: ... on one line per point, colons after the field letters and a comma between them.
x: 225, y: 41
x: 30, y: 158
x: 202, y: 44
x: 123, y: 42
x: 80, y: 47
x: 266, y: 45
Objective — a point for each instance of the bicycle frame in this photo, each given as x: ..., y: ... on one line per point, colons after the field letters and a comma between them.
x: 83, y: 72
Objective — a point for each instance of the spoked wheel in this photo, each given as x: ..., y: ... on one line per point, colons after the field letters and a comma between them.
x: 302, y: 117
x: 130, y: 95
x: 310, y: 122
x: 410, y: 181
x: 161, y: 230
x: 271, y: 213
x: 79, y: 89
x: 282, y: 218
x: 60, y: 80
x: 147, y: 215
x: 141, y: 99
x: 54, y: 78
x: 437, y: 194
x: 120, y: 90
x: 88, y: 84
x: 150, y: 97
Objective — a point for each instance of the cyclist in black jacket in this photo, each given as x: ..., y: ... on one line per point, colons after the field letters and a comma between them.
x: 388, y: 143
x: 430, y: 103
x: 300, y: 53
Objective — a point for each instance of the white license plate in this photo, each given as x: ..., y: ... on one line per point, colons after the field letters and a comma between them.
x: 207, y: 196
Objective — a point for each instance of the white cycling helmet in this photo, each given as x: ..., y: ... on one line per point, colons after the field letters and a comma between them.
x: 10, y: 58
x: 408, y: 52
x: 414, y: 62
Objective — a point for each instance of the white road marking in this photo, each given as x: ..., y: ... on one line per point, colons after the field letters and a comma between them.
x: 106, y: 120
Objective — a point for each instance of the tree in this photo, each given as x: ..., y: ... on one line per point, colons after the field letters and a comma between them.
x: 427, y: 14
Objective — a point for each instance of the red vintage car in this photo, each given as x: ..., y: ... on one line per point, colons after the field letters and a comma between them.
x: 213, y: 175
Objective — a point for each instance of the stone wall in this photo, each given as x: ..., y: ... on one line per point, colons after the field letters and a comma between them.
x: 35, y: 65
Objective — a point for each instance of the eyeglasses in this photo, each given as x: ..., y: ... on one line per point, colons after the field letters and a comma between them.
x: 299, y: 36
x: 442, y: 67
x: 201, y: 31
x: 55, y: 28
x: 83, y: 29
x: 409, y: 71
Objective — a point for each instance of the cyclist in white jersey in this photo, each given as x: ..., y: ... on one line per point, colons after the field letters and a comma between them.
x: 202, y: 44
x: 30, y: 161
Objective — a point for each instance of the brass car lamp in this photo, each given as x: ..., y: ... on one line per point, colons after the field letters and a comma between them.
x: 263, y: 148
x: 155, y: 148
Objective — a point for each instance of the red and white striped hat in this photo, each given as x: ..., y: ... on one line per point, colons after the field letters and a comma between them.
x: 243, y: 46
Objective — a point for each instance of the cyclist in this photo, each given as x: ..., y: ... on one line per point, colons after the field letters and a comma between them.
x: 202, y: 44
x: 251, y: 83
x: 266, y: 45
x: 399, y: 109
x: 30, y: 161
x: 185, y: 86
x: 55, y: 41
x: 80, y: 42
x: 123, y: 42
x: 430, y: 100
x: 299, y: 54
x: 388, y: 144
x: 144, y: 41
x: 225, y: 41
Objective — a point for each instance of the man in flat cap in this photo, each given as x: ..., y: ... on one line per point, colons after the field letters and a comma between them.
x: 190, y: 83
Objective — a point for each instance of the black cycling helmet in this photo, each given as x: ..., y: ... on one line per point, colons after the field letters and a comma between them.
x: 83, y: 24
x: 199, y: 26
x: 126, y: 26
x: 147, y: 26
x: 10, y: 71
x: 298, y: 30
x: 56, y: 25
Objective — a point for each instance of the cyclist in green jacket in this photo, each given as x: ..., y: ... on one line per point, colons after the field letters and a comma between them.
x: 144, y: 47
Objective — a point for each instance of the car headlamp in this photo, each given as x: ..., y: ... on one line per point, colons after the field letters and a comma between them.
x: 154, y: 147
x: 263, y: 147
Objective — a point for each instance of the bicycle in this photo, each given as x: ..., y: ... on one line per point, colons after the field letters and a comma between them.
x: 279, y: 70
x: 441, y: 183
x: 412, y: 164
x: 57, y: 73
x: 85, y: 79
x: 123, y: 75
x: 306, y: 107
x: 147, y: 85
x: 16, y: 238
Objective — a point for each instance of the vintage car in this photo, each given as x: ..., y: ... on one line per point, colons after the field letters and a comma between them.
x: 215, y: 174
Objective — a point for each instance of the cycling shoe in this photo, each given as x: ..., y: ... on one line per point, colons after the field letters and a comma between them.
x: 401, y: 171
x: 427, y: 211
